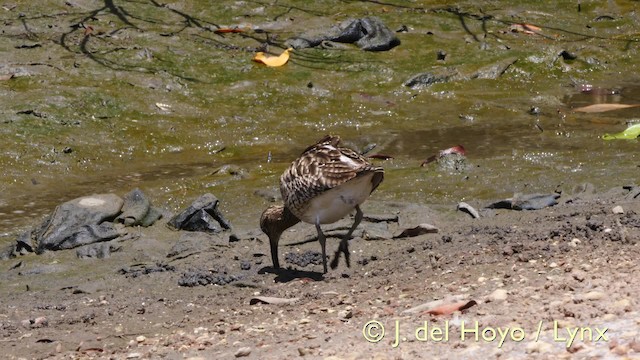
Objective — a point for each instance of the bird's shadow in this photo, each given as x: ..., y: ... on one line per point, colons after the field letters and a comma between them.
x: 287, y: 275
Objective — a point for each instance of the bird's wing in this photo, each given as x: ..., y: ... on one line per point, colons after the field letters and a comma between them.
x: 321, y: 167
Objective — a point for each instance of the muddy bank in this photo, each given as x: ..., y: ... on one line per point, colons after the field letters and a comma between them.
x: 174, y: 294
x: 100, y: 98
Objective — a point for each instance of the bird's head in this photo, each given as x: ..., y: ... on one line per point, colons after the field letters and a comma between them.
x: 274, y: 221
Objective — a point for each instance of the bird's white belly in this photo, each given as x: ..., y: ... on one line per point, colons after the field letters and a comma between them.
x: 334, y: 204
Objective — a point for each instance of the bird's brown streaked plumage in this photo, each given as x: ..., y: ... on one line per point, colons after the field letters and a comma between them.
x: 320, y: 187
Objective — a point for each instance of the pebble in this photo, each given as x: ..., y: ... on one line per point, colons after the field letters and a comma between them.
x: 498, y: 295
x: 618, y: 210
x: 134, y: 355
x: 38, y: 322
x: 594, y: 295
x: 141, y: 339
x: 243, y: 351
x: 578, y: 275
x: 575, y: 242
x: 538, y: 347
x: 345, y: 314
x: 623, y: 305
x: 620, y: 349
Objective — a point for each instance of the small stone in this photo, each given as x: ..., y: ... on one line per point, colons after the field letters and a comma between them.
x: 134, y: 355
x: 345, y: 314
x: 586, y: 267
x: 538, y: 347
x: 622, y: 305
x: 618, y: 210
x: 575, y: 242
x: 594, y: 295
x: 141, y: 339
x: 578, y: 275
x: 498, y: 295
x: 40, y: 322
x: 575, y: 347
x: 243, y: 351
x: 553, y: 265
x: 620, y: 350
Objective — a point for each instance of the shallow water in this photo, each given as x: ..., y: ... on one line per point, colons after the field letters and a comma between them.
x: 152, y: 95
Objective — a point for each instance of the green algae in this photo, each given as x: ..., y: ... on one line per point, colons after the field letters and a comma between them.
x: 103, y: 95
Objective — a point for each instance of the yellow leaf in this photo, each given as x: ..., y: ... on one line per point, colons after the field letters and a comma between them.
x: 596, y: 108
x: 273, y: 60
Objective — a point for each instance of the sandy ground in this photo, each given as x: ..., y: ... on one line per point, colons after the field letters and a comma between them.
x: 560, y: 282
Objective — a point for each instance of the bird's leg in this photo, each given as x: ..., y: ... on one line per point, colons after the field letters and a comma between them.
x: 274, y: 251
x: 323, y: 244
x: 344, y: 243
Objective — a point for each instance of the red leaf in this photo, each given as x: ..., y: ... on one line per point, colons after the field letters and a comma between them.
x: 447, y: 309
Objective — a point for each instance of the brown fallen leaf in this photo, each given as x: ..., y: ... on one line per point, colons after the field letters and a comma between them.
x: 525, y: 29
x: 228, y: 30
x: 417, y: 231
x: 597, y: 108
x: 447, y: 309
x: 271, y: 300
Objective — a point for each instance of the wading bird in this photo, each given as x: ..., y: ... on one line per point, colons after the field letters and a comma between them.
x: 322, y: 186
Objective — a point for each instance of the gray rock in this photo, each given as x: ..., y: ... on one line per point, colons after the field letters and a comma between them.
x: 367, y: 33
x: 201, y: 215
x: 137, y: 210
x: 464, y: 207
x: 97, y: 251
x: 426, y: 79
x: 134, y: 209
x: 79, y: 222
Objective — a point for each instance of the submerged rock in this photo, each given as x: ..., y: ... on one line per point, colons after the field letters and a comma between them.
x: 426, y: 79
x: 368, y: 33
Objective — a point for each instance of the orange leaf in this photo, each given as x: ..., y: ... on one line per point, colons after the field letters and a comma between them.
x: 447, y: 309
x: 525, y: 28
x: 228, y: 30
x: 272, y: 60
x: 597, y: 108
